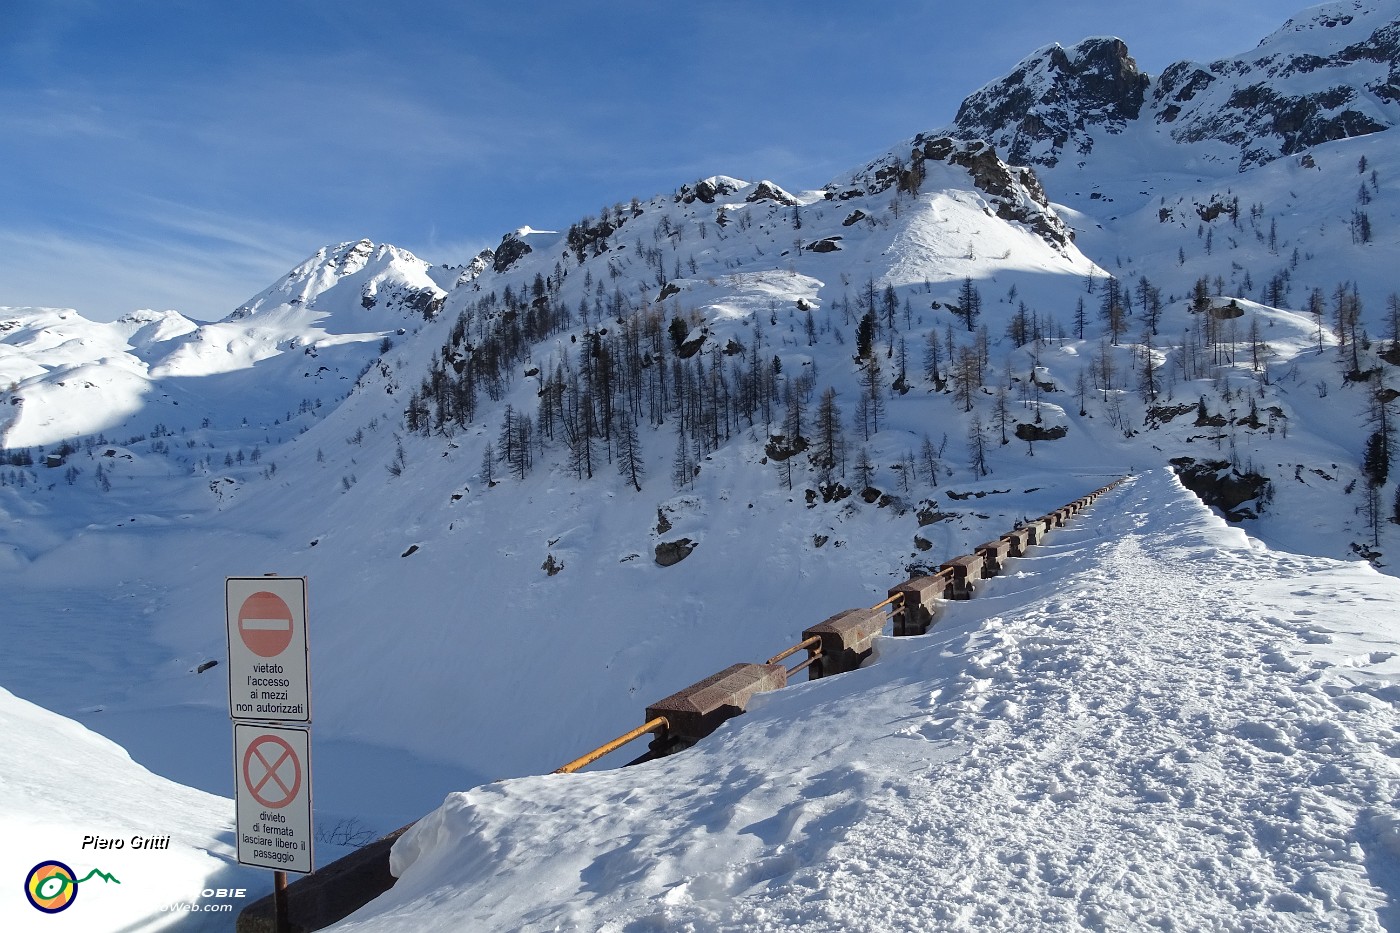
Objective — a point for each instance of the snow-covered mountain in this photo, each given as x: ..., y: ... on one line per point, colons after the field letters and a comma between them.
x: 1332, y: 72
x: 351, y: 277
x: 306, y: 337
x: 616, y: 454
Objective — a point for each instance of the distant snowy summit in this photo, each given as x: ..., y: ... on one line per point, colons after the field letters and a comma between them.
x: 63, y: 376
x: 1332, y: 72
x: 351, y: 277
x: 967, y: 202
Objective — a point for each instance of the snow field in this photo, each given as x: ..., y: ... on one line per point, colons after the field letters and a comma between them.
x: 1138, y: 727
x: 60, y: 783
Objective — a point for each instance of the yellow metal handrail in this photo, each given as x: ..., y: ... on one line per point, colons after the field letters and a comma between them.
x: 659, y: 724
x: 812, y: 642
x: 896, y: 598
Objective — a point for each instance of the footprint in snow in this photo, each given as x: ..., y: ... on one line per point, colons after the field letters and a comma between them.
x: 1278, y: 662
x: 1365, y: 660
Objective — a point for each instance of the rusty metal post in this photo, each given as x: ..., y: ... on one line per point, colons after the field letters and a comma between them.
x: 279, y: 899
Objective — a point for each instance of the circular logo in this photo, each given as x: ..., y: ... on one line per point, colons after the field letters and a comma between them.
x: 265, y: 624
x: 50, y: 887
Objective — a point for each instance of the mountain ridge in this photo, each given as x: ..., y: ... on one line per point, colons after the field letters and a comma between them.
x: 1278, y: 99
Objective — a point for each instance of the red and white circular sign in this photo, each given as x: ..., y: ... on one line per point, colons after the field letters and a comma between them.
x: 265, y: 624
x: 271, y: 771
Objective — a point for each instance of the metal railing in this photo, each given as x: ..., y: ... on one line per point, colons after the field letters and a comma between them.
x: 659, y: 725
x: 813, y: 647
x: 897, y: 605
x: 326, y: 896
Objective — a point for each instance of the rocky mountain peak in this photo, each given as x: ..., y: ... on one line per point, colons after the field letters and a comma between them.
x: 1332, y: 72
x: 351, y: 257
x: 1053, y: 99
x: 353, y: 275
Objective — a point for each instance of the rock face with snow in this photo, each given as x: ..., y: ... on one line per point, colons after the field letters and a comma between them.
x: 511, y: 249
x: 1056, y: 101
x: 1330, y: 73
x: 1015, y: 194
x: 767, y: 191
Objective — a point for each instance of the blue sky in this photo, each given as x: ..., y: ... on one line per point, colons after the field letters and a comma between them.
x: 169, y: 154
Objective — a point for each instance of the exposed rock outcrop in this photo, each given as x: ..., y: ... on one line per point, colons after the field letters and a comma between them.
x: 1055, y: 99
x: 707, y: 190
x: 1331, y: 73
x: 1238, y: 495
x: 513, y: 247
x: 1013, y: 194
x: 1035, y: 432
x: 670, y: 553
x: 767, y: 191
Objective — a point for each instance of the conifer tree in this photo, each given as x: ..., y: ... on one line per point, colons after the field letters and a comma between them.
x: 977, y: 447
x: 864, y: 469
x: 969, y: 303
x: 872, y: 380
x: 932, y: 360
x: 865, y: 336
x: 830, y: 442
x: 682, y: 472
x: 928, y: 455
x: 629, y: 451
x: 488, y: 466
x: 1001, y: 413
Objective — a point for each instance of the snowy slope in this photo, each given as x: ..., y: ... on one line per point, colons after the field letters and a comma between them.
x: 1140, y: 726
x: 435, y: 557
x: 65, y: 376
x: 60, y: 784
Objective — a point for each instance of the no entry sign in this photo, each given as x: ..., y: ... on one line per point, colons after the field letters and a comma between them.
x: 273, y: 798
x: 269, y: 678
x: 266, y: 624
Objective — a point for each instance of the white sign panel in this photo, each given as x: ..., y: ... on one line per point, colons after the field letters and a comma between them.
x: 269, y: 677
x: 272, y: 768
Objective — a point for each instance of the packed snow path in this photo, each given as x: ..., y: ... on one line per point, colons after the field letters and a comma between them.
x: 1155, y: 723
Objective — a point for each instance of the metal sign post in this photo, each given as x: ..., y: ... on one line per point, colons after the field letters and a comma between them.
x: 269, y: 692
